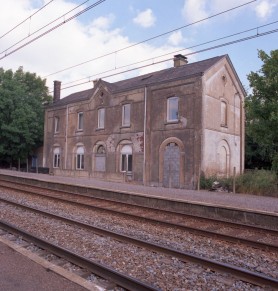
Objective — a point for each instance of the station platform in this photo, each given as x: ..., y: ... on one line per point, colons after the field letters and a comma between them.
x: 243, y: 208
x: 21, y: 270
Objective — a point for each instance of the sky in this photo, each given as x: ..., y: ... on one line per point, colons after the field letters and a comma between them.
x: 120, y: 39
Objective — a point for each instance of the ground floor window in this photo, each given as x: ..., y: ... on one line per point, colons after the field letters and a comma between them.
x: 126, y: 159
x: 80, y: 158
x: 56, y: 158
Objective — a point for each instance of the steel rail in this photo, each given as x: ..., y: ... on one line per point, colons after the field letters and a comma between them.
x: 94, y: 267
x: 125, y: 204
x: 194, y: 230
x: 241, y: 273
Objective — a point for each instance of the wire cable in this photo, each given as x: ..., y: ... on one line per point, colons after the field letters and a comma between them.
x: 53, y: 28
x: 192, y: 53
x: 152, y: 38
x: 29, y: 17
x: 175, y: 52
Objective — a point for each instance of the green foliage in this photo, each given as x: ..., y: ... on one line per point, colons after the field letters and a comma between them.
x: 22, y: 96
x: 256, y: 182
x: 262, y: 115
x: 259, y: 182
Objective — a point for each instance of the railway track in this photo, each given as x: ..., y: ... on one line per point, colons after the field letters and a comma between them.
x: 242, y: 274
x: 109, y: 274
x: 228, y: 231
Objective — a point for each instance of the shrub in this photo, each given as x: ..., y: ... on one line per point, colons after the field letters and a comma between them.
x: 258, y: 182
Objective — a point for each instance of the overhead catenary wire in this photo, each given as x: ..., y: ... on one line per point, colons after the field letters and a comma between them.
x: 29, y: 17
x: 192, y: 53
x: 53, y: 28
x: 149, y: 39
x: 177, y: 51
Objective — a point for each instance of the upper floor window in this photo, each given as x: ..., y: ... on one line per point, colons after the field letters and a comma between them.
x: 223, y: 113
x: 80, y: 158
x: 80, y: 121
x: 101, y: 116
x: 126, y: 115
x: 56, y: 158
x: 173, y: 109
x: 56, y: 124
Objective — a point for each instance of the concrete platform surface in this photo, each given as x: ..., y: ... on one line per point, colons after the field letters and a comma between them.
x: 222, y: 199
x: 21, y: 270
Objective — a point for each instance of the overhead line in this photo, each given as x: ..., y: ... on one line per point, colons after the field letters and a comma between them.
x: 29, y: 17
x: 174, y: 52
x: 152, y: 38
x: 53, y: 28
x: 192, y: 53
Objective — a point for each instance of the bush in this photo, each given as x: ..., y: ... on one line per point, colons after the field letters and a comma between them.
x: 258, y: 182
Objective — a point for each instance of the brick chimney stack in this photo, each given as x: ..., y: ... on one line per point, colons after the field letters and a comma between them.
x: 57, y: 91
x: 180, y: 60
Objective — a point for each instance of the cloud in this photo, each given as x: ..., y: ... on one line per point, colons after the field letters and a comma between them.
x: 145, y: 18
x: 265, y: 8
x: 194, y: 10
x: 175, y: 38
x: 74, y: 43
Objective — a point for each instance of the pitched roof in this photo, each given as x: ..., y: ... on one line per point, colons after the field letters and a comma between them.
x: 169, y: 74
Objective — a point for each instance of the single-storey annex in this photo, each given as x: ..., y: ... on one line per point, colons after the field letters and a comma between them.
x: 160, y: 129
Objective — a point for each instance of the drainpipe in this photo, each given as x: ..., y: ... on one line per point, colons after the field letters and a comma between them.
x: 66, y: 137
x: 145, y: 128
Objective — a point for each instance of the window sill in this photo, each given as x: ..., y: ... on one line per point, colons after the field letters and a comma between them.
x: 100, y: 128
x: 172, y: 122
x: 125, y: 126
x: 79, y: 131
x: 224, y: 125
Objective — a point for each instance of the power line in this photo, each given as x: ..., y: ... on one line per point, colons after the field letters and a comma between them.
x: 175, y: 52
x: 53, y: 28
x: 41, y: 28
x: 29, y: 17
x: 152, y: 38
x: 200, y: 51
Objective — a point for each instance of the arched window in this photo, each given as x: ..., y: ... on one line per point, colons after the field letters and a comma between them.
x: 223, y: 113
x: 126, y: 158
x: 80, y: 158
x: 56, y: 157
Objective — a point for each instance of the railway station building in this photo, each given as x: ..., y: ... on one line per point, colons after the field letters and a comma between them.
x: 164, y: 128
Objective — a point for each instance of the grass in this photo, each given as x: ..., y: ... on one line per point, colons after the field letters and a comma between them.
x: 257, y: 182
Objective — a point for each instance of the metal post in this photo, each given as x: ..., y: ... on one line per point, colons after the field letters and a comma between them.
x: 234, y: 181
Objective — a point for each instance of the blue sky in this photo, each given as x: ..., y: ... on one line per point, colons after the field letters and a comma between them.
x: 116, y: 24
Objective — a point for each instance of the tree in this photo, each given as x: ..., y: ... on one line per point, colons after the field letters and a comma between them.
x: 22, y: 96
x: 262, y: 112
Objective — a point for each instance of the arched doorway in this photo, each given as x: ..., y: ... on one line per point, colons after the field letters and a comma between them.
x: 100, y: 158
x: 223, y: 154
x: 171, y: 166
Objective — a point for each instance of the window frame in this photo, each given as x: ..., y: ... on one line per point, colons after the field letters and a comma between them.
x: 80, y: 121
x: 126, y: 114
x: 101, y: 118
x: 56, y: 158
x: 224, y: 113
x: 56, y: 124
x: 169, y: 109
x: 80, y: 160
x: 126, y: 162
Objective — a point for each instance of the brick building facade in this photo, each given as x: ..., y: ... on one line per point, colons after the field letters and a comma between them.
x: 161, y: 129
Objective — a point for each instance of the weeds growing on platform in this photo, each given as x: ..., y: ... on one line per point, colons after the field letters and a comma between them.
x: 257, y: 182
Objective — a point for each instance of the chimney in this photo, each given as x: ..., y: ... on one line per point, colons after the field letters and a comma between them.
x: 95, y: 82
x: 180, y: 60
x: 57, y: 91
